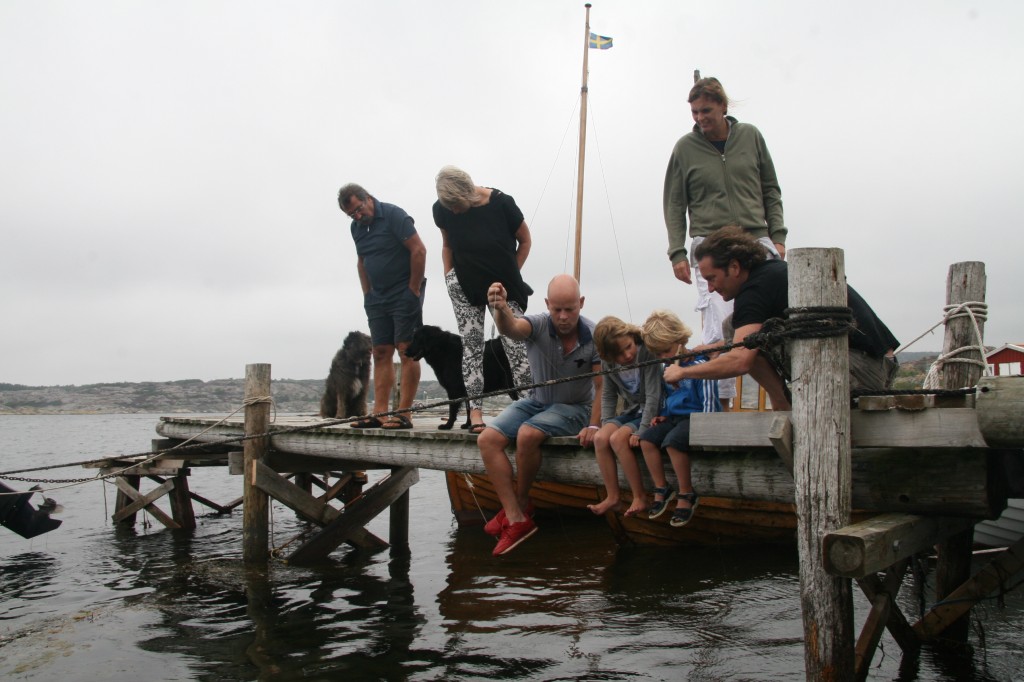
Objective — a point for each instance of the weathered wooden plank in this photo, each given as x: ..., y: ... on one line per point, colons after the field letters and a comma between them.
x: 335, y: 488
x: 822, y: 469
x: 932, y: 428
x: 256, y: 507
x: 873, y: 545
x: 780, y: 434
x: 965, y: 284
x: 355, y: 516
x: 181, y: 502
x: 221, y: 509
x: 870, y: 635
x: 896, y: 623
x: 1001, y: 410
x: 310, y: 508
x: 958, y: 602
x: 950, y: 482
x: 292, y: 496
x: 144, y: 502
x: 143, y: 471
x: 123, y: 500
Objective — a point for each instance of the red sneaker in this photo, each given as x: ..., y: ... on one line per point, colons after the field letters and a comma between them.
x: 493, y: 527
x: 512, y: 534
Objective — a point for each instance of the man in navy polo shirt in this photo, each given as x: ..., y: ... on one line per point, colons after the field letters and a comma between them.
x: 560, y: 345
x: 392, y: 259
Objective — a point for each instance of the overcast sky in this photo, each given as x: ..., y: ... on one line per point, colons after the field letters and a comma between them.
x: 169, y: 170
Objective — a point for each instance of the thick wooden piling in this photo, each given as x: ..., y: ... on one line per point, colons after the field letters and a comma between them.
x: 255, y: 511
x: 965, y: 283
x: 821, y: 464
x: 398, y: 520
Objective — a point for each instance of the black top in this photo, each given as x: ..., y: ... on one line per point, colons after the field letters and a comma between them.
x: 765, y: 294
x: 483, y: 245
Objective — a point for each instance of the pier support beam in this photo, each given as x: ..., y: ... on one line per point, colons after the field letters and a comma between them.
x: 822, y: 464
x: 255, y: 507
x: 965, y: 283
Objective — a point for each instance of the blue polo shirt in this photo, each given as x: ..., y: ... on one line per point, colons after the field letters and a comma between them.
x: 548, y: 361
x: 381, y: 245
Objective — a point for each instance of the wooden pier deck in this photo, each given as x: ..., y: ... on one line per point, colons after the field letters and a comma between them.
x: 940, y: 463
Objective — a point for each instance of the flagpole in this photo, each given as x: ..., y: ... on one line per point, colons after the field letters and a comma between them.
x: 583, y: 148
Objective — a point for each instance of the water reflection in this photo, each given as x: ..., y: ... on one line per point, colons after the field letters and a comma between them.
x: 276, y: 622
x: 712, y: 613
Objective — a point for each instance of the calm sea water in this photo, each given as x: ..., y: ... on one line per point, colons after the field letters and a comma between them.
x: 88, y: 602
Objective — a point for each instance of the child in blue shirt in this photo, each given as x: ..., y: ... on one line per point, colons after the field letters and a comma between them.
x: 665, y: 336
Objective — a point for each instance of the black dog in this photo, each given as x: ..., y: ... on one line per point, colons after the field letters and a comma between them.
x: 443, y: 352
x: 349, y: 380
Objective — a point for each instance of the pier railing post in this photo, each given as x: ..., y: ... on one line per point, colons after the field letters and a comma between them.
x: 821, y: 464
x: 965, y: 283
x: 255, y: 516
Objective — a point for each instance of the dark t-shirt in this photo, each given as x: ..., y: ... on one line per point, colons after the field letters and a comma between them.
x: 765, y: 294
x: 381, y: 245
x: 483, y: 245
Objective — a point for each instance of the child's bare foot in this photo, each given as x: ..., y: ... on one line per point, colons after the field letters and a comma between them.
x: 638, y: 507
x: 607, y: 505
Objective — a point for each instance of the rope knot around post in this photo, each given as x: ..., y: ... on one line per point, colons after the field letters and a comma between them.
x: 807, y: 322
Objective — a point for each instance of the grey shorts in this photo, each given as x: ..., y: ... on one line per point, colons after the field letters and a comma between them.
x: 556, y: 419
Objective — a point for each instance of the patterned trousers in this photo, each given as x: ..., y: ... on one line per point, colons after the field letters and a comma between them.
x: 470, y: 319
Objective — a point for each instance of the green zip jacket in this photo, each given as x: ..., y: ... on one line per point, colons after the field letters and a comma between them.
x: 738, y: 187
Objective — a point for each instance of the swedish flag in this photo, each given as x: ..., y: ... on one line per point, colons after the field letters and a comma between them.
x: 600, y: 42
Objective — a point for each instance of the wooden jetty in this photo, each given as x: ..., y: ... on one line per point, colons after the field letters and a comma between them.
x: 920, y: 470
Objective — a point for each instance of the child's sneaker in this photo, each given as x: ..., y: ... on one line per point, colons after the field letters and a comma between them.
x: 681, y: 517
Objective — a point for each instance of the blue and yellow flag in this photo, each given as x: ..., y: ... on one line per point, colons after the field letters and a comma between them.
x: 600, y: 42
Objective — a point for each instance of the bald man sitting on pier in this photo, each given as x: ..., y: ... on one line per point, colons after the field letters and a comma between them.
x: 736, y: 266
x: 559, y: 344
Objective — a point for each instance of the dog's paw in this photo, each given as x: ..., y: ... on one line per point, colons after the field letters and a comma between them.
x: 445, y: 427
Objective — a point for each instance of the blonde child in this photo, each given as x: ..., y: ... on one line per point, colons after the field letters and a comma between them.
x: 665, y: 336
x: 620, y: 345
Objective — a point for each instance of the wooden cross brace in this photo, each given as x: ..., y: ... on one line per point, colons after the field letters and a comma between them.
x: 346, y: 525
x: 146, y: 501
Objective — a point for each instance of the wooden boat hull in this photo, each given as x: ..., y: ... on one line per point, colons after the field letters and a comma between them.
x: 719, y: 521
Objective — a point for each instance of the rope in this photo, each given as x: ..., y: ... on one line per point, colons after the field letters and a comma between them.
x: 974, y: 310
x: 472, y: 491
x: 148, y: 457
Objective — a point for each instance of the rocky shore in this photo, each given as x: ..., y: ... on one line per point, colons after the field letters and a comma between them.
x: 225, y: 395
x: 167, y: 397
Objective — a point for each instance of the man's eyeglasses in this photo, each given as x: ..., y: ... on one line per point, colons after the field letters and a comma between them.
x: 357, y: 210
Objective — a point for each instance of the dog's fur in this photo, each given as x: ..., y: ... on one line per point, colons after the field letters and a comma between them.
x: 443, y: 352
x: 349, y: 379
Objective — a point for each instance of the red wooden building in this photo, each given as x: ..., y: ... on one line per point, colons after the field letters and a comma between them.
x: 1006, y: 360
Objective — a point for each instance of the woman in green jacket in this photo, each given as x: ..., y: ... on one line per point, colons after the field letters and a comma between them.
x: 719, y: 174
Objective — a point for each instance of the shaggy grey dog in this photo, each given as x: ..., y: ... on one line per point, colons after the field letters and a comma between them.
x: 349, y: 380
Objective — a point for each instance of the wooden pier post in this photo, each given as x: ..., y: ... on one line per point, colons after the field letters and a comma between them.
x: 398, y: 520
x: 966, y: 282
x: 822, y: 464
x: 123, y: 500
x: 255, y: 508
